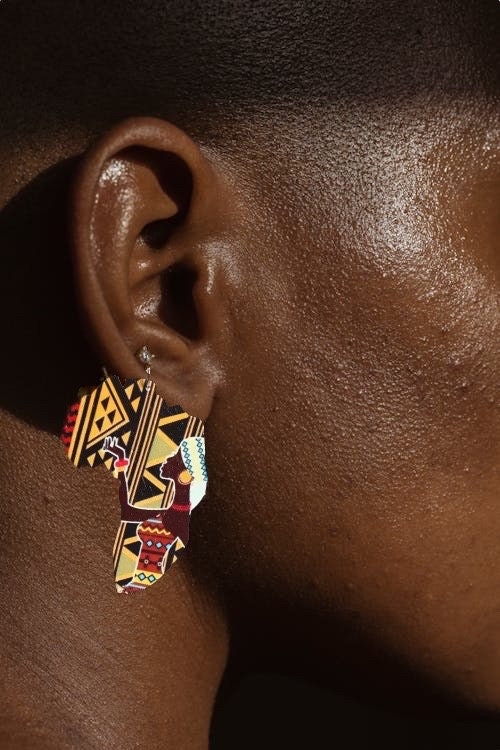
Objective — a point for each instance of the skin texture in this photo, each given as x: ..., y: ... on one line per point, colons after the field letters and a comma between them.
x: 319, y: 283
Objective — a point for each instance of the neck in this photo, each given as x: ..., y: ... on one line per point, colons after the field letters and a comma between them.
x: 166, y: 658
x: 93, y: 667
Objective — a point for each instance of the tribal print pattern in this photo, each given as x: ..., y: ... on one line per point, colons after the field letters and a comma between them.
x: 158, y: 454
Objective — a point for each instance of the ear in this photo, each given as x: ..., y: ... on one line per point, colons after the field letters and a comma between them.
x: 145, y: 210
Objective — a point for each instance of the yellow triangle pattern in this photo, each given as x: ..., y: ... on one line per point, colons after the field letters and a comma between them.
x: 160, y: 449
x: 155, y: 502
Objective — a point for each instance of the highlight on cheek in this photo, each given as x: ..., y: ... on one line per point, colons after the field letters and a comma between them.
x: 157, y: 452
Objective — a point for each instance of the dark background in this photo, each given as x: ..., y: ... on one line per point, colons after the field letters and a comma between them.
x: 270, y: 712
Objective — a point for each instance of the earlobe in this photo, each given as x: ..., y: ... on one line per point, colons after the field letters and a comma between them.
x: 144, y: 204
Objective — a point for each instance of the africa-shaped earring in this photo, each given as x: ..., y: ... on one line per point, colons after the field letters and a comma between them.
x: 157, y: 452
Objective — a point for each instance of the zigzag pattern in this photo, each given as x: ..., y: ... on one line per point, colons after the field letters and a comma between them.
x: 200, y: 444
x: 160, y: 531
x: 69, y: 424
x: 187, y: 457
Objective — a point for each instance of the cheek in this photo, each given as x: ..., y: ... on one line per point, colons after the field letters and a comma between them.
x: 402, y: 376
x: 399, y: 385
x: 363, y: 470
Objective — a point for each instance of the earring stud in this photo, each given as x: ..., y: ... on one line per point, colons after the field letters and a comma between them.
x: 146, y: 357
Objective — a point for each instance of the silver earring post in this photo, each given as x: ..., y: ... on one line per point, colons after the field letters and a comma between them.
x: 146, y: 358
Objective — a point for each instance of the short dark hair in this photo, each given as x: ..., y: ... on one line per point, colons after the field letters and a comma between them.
x: 202, y: 62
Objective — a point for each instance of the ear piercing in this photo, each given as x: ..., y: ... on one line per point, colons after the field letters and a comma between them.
x: 146, y: 358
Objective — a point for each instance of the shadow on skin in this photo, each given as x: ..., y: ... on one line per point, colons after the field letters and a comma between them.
x: 44, y: 353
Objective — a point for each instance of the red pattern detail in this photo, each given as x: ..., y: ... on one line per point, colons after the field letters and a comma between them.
x: 151, y: 557
x: 69, y: 424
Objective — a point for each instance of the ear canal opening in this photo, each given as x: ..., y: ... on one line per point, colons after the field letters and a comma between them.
x: 156, y: 234
x: 177, y: 306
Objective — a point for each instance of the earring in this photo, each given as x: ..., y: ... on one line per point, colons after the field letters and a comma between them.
x: 157, y: 452
x: 146, y: 358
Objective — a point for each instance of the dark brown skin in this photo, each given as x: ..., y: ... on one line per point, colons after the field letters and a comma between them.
x: 342, y: 344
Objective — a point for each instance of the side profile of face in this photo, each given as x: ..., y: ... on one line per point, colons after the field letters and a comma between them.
x: 363, y: 393
x: 343, y: 350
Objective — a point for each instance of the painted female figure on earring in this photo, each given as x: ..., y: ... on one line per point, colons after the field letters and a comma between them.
x: 142, y: 558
